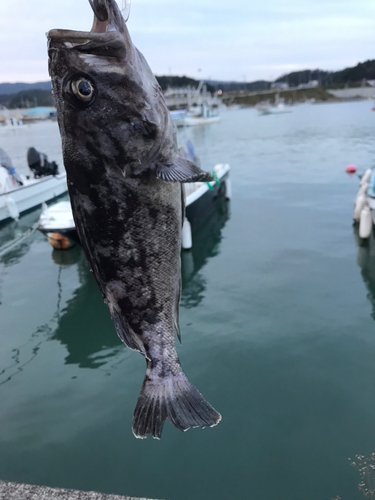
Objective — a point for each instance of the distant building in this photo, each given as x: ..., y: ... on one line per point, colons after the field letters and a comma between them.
x: 313, y: 83
x: 40, y: 112
x: 279, y: 85
x: 309, y: 85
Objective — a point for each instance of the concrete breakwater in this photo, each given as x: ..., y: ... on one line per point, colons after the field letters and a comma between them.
x: 354, y: 93
x: 17, y: 491
x: 319, y: 94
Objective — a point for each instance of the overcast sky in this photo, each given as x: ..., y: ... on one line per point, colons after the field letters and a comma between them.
x: 217, y: 39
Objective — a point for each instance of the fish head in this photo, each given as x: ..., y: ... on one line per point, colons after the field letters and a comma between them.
x: 110, y: 108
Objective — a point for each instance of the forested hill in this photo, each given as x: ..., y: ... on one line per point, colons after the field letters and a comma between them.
x: 14, y: 95
x: 356, y: 74
x: 164, y: 81
x: 27, y: 95
x: 27, y: 99
x: 14, y: 88
x: 362, y: 70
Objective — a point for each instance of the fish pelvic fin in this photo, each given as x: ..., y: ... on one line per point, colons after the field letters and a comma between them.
x: 182, y: 170
x: 173, y: 398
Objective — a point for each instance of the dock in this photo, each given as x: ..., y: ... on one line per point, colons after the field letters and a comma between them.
x: 18, y: 491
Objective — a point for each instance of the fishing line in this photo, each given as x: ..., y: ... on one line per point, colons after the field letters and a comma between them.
x: 125, y: 9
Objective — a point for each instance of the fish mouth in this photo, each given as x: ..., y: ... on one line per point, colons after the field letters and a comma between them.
x: 106, y: 37
x: 100, y: 10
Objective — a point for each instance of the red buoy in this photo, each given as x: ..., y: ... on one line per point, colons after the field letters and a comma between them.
x: 351, y: 169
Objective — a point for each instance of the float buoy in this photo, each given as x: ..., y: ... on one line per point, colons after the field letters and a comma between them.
x: 59, y: 242
x: 359, y: 204
x: 12, y: 208
x: 350, y: 169
x: 187, y: 241
x: 365, y: 223
x: 366, y: 178
x: 228, y: 189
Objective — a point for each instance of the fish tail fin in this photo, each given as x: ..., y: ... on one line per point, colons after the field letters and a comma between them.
x: 174, y: 398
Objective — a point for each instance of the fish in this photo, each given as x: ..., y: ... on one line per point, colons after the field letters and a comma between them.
x: 125, y: 179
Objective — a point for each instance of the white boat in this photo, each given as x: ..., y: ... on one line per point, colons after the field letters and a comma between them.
x: 276, y: 108
x: 271, y: 109
x: 8, y: 122
x: 19, y: 193
x: 364, y: 204
x: 202, y: 115
x: 202, y: 109
x: 178, y: 117
x: 56, y: 221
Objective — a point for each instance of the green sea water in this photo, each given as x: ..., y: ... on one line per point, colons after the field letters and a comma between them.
x: 277, y: 322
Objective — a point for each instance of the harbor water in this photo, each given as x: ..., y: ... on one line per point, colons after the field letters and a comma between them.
x: 277, y: 321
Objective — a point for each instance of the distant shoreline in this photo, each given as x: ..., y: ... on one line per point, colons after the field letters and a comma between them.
x: 317, y: 94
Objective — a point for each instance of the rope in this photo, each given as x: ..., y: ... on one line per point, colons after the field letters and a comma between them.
x: 12, y: 244
x: 216, y: 179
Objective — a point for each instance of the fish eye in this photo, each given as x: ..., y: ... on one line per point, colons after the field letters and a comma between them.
x: 83, y: 89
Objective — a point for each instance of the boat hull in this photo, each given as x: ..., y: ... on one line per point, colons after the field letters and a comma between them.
x: 201, y: 199
x: 190, y: 121
x: 201, y: 203
x: 31, y: 195
x: 274, y: 111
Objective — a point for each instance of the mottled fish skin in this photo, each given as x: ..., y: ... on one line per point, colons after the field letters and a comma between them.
x: 124, y: 173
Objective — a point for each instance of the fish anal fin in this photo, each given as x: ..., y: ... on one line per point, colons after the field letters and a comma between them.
x: 127, y: 334
x: 182, y: 170
x: 176, y: 318
x: 173, y: 398
x: 183, y: 205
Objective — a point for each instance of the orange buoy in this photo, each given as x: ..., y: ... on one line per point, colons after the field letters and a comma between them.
x: 59, y: 242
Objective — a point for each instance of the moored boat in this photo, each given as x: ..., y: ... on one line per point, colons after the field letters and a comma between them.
x: 19, y: 193
x: 276, y: 108
x: 202, y: 115
x: 364, y: 204
x: 178, y: 117
x: 201, y: 198
x: 271, y: 109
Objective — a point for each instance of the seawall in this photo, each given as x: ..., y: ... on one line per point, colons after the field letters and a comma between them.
x: 354, y: 93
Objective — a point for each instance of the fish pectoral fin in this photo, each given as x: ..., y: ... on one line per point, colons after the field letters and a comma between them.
x: 182, y: 170
x: 173, y: 398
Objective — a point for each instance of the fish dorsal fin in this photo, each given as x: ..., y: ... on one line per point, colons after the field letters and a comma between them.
x: 181, y: 170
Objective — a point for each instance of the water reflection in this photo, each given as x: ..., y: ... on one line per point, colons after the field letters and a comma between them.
x: 84, y: 326
x: 11, y: 230
x: 206, y: 244
x: 366, y: 261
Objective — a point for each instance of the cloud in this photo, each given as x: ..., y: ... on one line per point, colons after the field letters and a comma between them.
x: 227, y: 40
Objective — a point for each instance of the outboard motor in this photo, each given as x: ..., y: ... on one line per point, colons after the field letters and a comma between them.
x: 39, y: 164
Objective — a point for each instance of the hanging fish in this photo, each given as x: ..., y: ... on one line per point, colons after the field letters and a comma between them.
x: 124, y: 177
